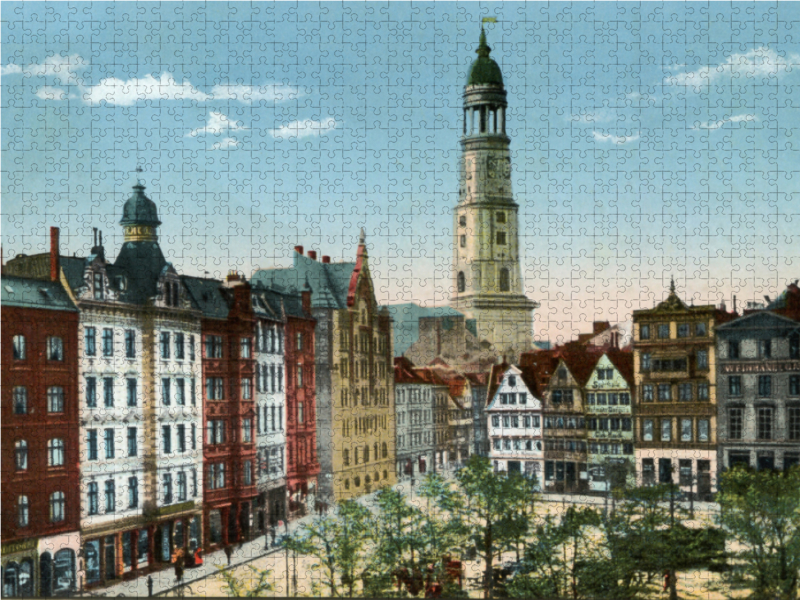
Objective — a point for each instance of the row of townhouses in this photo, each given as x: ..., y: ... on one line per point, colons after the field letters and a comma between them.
x: 145, y: 411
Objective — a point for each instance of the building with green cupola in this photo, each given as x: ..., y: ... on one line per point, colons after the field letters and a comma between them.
x: 487, y: 278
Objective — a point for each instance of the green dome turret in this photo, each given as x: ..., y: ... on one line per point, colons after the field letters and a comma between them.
x: 139, y: 209
x: 484, y: 70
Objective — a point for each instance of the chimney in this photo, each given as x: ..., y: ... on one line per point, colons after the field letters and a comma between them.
x: 734, y: 303
x: 55, y: 266
x: 600, y: 326
x: 299, y: 250
x: 326, y: 259
x: 233, y: 279
x: 305, y: 297
x: 312, y: 254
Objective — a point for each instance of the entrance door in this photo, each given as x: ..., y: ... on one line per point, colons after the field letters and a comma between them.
x: 664, y: 470
x: 704, y: 479
x: 46, y: 575
x: 514, y: 466
x: 109, y: 548
x: 166, y: 550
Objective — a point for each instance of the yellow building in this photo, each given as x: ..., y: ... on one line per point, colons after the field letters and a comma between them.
x: 676, y: 394
x: 354, y: 372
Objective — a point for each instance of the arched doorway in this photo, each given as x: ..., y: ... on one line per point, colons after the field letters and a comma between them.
x: 46, y: 574
x: 64, y: 572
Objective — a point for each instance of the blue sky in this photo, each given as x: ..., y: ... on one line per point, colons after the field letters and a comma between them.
x: 648, y: 141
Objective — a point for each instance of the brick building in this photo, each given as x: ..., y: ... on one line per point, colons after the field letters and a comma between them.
x: 40, y: 443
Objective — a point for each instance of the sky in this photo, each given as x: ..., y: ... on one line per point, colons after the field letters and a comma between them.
x: 649, y: 141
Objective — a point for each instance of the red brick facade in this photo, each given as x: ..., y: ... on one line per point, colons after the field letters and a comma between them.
x: 37, y: 374
x: 234, y: 500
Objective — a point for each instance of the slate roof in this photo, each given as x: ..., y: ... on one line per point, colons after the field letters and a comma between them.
x: 24, y: 292
x: 623, y: 361
x: 209, y: 296
x: 404, y: 371
x: 330, y: 282
x: 406, y: 322
x: 142, y: 263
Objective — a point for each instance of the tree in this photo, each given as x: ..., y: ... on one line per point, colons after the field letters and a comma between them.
x: 491, y: 498
x: 761, y: 512
x: 338, y: 543
x: 246, y: 587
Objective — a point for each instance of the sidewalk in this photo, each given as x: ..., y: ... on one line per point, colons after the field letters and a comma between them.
x: 164, y: 580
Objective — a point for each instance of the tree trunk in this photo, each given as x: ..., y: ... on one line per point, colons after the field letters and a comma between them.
x: 673, y: 585
x: 488, y: 591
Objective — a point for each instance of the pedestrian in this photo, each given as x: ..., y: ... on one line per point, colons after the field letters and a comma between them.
x: 228, y: 552
x: 178, y: 571
x: 149, y: 585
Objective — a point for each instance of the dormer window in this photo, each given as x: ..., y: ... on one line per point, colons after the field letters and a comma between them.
x: 171, y: 293
x: 97, y: 286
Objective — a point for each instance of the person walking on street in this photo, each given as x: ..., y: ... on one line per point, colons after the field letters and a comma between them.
x: 149, y: 586
x: 228, y: 552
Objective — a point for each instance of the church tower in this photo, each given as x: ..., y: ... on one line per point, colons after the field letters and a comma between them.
x: 487, y: 277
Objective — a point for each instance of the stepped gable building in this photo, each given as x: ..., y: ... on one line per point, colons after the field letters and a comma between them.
x: 675, y: 373
x: 758, y: 375
x: 487, y: 277
x: 354, y: 372
x: 514, y: 426
x: 40, y: 442
x: 609, y: 421
x: 140, y: 412
x: 560, y: 377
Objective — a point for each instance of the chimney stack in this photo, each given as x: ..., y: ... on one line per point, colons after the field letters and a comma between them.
x: 233, y: 279
x: 299, y: 250
x: 312, y: 254
x: 326, y: 259
x: 55, y: 265
x: 734, y: 303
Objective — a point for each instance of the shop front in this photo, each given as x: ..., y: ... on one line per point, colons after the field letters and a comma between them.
x: 141, y: 547
x: 19, y: 568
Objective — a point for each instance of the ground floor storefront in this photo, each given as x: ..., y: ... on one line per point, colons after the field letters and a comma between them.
x: 230, y: 522
x: 565, y: 475
x: 140, y: 545
x: 41, y: 566
x: 694, y: 471
x: 414, y: 464
x: 270, y: 509
x: 762, y: 457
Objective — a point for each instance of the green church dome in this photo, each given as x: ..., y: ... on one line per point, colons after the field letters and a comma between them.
x: 139, y: 209
x: 484, y: 71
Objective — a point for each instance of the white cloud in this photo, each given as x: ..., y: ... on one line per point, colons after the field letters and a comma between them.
x: 248, y: 94
x: 226, y: 144
x: 305, y: 128
x: 63, y: 69
x: 757, y: 63
x: 48, y: 92
x: 128, y: 93
x: 10, y: 69
x: 720, y: 123
x: 217, y: 124
x: 614, y: 139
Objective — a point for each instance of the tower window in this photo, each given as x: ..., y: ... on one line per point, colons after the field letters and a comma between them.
x: 505, y: 280
x: 463, y: 241
x: 462, y: 220
x: 501, y: 238
x: 461, y: 282
x: 500, y: 217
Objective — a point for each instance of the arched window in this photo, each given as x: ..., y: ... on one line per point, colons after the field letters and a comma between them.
x: 505, y: 280
x: 64, y: 571
x: 357, y: 481
x: 10, y: 580
x: 500, y: 217
x: 461, y: 282
x: 366, y: 453
x: 384, y: 452
x: 20, y: 348
x: 57, y: 503
x: 462, y: 220
x: 23, y: 511
x: 55, y: 452
x: 21, y: 455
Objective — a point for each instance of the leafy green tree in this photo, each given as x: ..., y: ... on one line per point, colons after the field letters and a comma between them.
x: 441, y: 530
x: 491, y: 498
x: 339, y: 544
x: 246, y: 587
x: 760, y: 511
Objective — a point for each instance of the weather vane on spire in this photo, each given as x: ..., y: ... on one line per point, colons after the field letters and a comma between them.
x: 138, y: 170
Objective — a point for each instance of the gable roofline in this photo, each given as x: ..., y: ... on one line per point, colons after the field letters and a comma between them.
x: 763, y: 314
